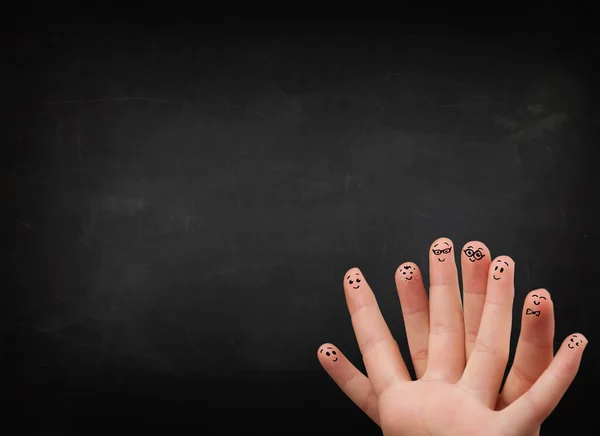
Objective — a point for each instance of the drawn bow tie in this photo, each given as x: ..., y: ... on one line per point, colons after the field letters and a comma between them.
x: 532, y: 312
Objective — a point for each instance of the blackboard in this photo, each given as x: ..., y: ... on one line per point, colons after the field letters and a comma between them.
x: 180, y: 205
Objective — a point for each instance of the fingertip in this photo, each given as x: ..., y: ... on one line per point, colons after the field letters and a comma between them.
x: 351, y: 271
x: 442, y: 241
x: 475, y: 245
x: 354, y: 280
x: 575, y: 341
x: 321, y: 348
x: 406, y: 268
x: 500, y: 266
x: 409, y: 264
x: 507, y: 261
x: 541, y: 293
x: 473, y: 252
x: 441, y: 250
x: 328, y: 353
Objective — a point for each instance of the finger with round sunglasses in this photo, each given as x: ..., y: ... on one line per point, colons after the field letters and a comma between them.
x: 380, y: 351
x: 446, y: 347
x: 534, y: 349
x: 415, y: 311
x: 475, y: 264
x: 350, y: 380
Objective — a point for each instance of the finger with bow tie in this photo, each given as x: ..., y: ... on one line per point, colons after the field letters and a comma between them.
x: 534, y: 349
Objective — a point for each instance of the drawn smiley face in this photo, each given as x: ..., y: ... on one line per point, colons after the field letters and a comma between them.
x: 441, y: 249
x: 354, y: 280
x: 575, y: 341
x: 408, y: 274
x: 472, y: 254
x: 499, y: 269
x: 329, y: 352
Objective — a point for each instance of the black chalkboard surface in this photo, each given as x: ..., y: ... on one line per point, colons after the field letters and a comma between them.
x: 179, y: 207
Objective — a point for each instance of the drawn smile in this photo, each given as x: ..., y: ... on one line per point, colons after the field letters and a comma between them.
x: 472, y: 260
x: 537, y: 303
x: 496, y: 278
x: 335, y: 360
x: 569, y: 345
x: 408, y: 278
x: 440, y: 251
x: 356, y: 280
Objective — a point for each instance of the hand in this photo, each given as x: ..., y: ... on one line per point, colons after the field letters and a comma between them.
x: 459, y: 359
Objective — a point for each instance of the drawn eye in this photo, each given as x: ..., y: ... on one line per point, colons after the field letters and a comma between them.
x: 327, y: 353
x: 469, y: 252
x: 351, y: 281
x: 404, y: 273
x: 411, y: 272
x: 334, y: 353
x: 496, y: 269
x: 357, y: 280
x: 501, y: 270
x: 478, y: 254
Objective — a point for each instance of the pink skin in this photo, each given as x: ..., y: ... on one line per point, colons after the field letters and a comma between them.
x: 329, y: 352
x: 397, y: 404
x: 574, y: 341
x: 408, y: 273
x: 354, y: 279
x: 441, y: 250
x: 537, y: 302
x: 499, y: 267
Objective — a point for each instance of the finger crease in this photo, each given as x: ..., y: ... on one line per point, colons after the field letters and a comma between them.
x: 521, y: 375
x: 370, y: 344
x: 420, y: 355
x: 370, y: 402
x: 539, y: 346
x: 413, y: 312
x: 482, y: 347
x: 471, y: 337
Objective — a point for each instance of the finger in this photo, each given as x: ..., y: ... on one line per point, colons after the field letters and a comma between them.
x: 446, y: 329
x: 534, y: 349
x: 350, y: 380
x: 380, y: 351
x: 415, y: 311
x: 533, y: 407
x: 485, y: 369
x: 475, y: 262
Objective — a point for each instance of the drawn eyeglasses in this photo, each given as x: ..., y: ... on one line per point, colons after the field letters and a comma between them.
x: 437, y: 252
x: 477, y: 254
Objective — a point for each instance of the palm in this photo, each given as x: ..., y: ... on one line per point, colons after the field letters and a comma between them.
x: 433, y: 407
x: 459, y: 351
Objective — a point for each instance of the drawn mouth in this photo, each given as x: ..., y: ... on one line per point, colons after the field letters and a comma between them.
x: 496, y: 278
x: 537, y: 303
x: 356, y: 287
x: 442, y: 260
x: 472, y: 260
x: 569, y: 345
x: 408, y: 278
x: 335, y: 360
